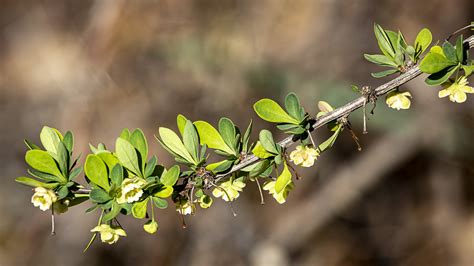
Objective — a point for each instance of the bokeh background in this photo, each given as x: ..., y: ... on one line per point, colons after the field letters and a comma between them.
x: 95, y: 67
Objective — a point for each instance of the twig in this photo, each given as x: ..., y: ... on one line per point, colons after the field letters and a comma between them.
x: 343, y: 111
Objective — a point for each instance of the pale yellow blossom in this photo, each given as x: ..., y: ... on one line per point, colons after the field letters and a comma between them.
x: 304, y: 156
x: 457, y: 90
x: 131, y: 190
x: 399, y: 100
x: 229, y: 190
x: 109, y: 234
x: 43, y: 198
x: 185, y: 208
x: 279, y: 197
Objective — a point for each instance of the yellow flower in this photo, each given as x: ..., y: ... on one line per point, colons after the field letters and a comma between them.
x: 131, y: 190
x: 279, y: 197
x: 304, y: 156
x: 457, y: 90
x: 399, y: 100
x: 109, y: 234
x: 185, y: 208
x: 229, y: 190
x: 43, y: 198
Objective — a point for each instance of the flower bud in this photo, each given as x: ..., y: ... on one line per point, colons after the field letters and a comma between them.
x: 150, y: 227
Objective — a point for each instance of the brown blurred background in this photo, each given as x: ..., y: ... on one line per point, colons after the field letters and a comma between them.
x: 95, y: 67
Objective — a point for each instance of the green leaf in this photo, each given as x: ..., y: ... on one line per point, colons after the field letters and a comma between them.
x: 50, y: 139
x: 35, y: 183
x: 423, y: 40
x: 114, y: 211
x: 293, y: 106
x: 383, y: 41
x: 191, y: 140
x: 96, y: 171
x: 75, y: 172
x: 160, y: 203
x: 460, y: 49
x: 44, y: 176
x: 125, y: 134
x: 170, y: 177
x: 68, y: 141
x: 181, y: 122
x: 127, y: 155
x: 211, y: 137
x: 174, y: 144
x: 63, y: 159
x: 116, y: 175
x: 450, y: 52
x: 266, y: 139
x: 138, y: 141
x: 109, y: 159
x: 331, y: 140
x: 283, y: 180
x: 441, y: 77
x: 31, y: 145
x: 165, y: 192
x: 227, y: 131
x: 42, y: 161
x: 381, y: 60
x: 150, y: 166
x: 246, y: 137
x: 99, y: 196
x: 384, y: 73
x: 271, y: 111
x: 221, y: 166
x: 260, y: 151
x: 139, y: 209
x: 434, y: 62
x: 62, y: 192
x: 468, y: 69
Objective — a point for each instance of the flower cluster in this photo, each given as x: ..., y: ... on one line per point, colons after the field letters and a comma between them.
x: 43, y: 198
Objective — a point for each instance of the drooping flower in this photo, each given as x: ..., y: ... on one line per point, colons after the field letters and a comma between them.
x: 109, y: 234
x: 304, y: 156
x: 150, y: 227
x: 205, y: 201
x: 185, y: 208
x: 229, y: 190
x: 279, y: 197
x: 399, y: 100
x: 457, y: 90
x: 43, y: 198
x: 131, y: 190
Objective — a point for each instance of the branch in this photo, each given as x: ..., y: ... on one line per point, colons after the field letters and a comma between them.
x: 343, y: 111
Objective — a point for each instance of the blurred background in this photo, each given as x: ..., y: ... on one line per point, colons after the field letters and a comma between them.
x: 95, y: 67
